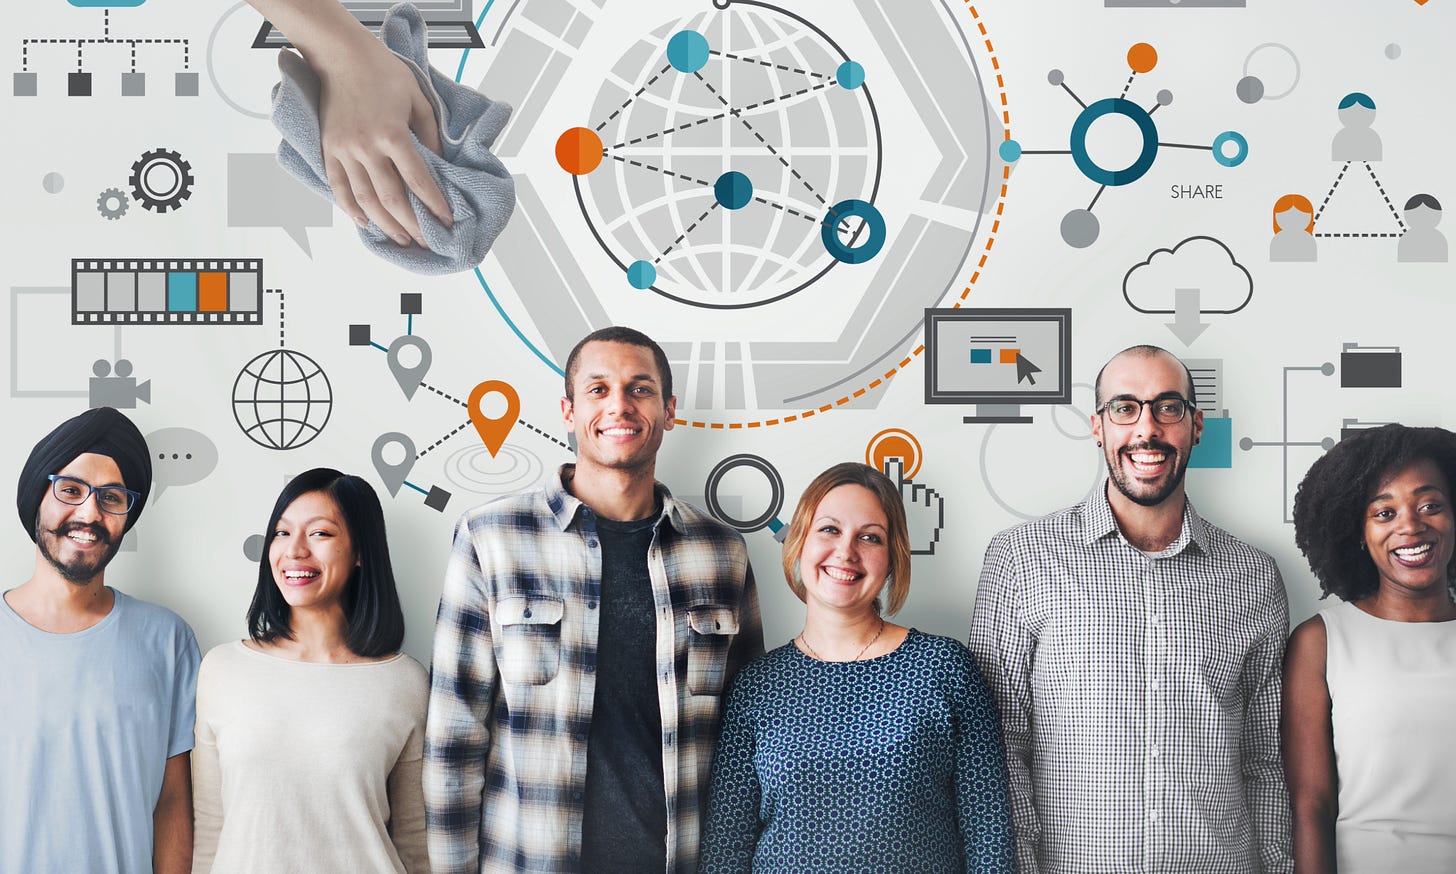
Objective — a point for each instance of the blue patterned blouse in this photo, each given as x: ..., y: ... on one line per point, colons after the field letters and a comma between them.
x: 892, y: 764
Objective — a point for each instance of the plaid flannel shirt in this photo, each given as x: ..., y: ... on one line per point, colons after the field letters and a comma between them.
x: 1139, y: 696
x: 514, y: 674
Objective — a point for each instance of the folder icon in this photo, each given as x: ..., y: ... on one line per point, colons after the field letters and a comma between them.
x: 1350, y: 427
x: 1369, y: 366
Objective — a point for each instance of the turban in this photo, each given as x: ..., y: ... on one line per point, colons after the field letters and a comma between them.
x: 103, y: 431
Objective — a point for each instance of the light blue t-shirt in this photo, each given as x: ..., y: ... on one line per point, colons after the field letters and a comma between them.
x: 87, y: 723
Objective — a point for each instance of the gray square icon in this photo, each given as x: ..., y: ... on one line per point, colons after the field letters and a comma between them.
x: 186, y: 85
x: 133, y: 84
x: 23, y: 85
x: 152, y: 292
x: 90, y: 292
x: 121, y: 292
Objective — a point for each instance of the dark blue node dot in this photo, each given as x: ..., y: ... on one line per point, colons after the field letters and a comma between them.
x: 1010, y: 151
x: 641, y: 275
x: 850, y: 75
x: 687, y: 51
x: 733, y: 190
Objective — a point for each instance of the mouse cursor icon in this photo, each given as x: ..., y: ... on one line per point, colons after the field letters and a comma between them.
x: 1025, y: 369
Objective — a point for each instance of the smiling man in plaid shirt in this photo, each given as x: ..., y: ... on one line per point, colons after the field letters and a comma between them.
x: 586, y: 633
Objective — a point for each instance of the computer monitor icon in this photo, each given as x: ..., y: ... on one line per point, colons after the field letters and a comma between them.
x: 998, y: 359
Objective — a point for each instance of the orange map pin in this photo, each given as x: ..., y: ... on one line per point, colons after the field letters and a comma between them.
x: 493, y: 431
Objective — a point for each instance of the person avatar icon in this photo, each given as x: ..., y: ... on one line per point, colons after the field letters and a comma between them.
x: 1421, y: 241
x: 1293, y: 230
x: 1356, y: 141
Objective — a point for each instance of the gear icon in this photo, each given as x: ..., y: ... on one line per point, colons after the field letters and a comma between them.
x: 161, y: 180
x: 112, y: 203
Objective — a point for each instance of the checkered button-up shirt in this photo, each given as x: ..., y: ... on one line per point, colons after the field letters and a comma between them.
x: 514, y: 673
x: 1139, y: 695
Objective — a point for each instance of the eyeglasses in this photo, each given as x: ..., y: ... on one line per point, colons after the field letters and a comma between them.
x: 112, y: 499
x: 1166, y: 410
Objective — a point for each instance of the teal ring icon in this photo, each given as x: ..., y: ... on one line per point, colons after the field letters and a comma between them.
x: 1114, y: 106
x: 874, y: 228
x: 1224, y: 139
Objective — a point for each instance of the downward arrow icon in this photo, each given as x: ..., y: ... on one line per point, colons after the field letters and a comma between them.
x: 1185, y: 325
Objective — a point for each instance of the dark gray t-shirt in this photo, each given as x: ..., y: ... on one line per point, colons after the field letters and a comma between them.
x: 624, y: 824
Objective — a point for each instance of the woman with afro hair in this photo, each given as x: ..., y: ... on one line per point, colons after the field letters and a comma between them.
x: 1369, y: 706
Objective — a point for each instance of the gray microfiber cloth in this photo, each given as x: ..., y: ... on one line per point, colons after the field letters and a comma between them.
x: 477, y: 186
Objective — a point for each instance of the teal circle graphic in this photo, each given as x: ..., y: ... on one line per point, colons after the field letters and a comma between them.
x: 733, y: 190
x: 641, y: 274
x: 687, y: 51
x: 1224, y: 139
x: 1114, y: 106
x: 1010, y: 151
x: 850, y: 75
x: 874, y: 228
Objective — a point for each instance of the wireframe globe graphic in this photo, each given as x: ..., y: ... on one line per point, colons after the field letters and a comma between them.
x: 731, y: 144
x: 282, y: 399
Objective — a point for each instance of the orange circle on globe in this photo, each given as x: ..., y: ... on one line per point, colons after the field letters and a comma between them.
x: 1142, y: 58
x: 579, y: 151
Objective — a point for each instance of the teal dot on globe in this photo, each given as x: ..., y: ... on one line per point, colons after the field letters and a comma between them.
x: 850, y: 75
x: 733, y: 190
x: 687, y: 51
x: 641, y: 275
x: 1010, y: 151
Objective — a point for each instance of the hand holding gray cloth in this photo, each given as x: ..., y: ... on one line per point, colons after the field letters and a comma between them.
x: 103, y: 431
x: 477, y: 185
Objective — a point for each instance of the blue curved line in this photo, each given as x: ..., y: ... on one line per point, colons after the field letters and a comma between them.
x: 499, y: 309
x: 460, y: 71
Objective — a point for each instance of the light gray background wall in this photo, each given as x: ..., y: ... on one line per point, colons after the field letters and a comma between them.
x: 189, y: 547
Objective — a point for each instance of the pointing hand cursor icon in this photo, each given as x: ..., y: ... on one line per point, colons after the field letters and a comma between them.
x: 924, y: 508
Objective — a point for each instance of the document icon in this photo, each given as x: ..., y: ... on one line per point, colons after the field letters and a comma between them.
x: 1369, y: 366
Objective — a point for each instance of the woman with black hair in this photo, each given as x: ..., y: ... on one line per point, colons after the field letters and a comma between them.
x: 1369, y: 705
x: 310, y: 733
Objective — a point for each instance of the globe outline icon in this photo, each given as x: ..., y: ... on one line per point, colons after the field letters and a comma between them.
x: 265, y: 381
x: 771, y: 251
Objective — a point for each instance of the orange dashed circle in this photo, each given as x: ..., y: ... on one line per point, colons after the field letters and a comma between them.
x: 970, y: 284
x: 1142, y: 58
x: 579, y: 151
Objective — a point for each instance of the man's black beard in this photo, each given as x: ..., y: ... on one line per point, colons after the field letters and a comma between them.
x: 79, y: 574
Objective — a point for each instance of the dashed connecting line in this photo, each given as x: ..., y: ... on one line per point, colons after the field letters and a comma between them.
x: 965, y: 292
x: 1339, y: 177
x: 580, y: 150
x: 1080, y: 227
x: 79, y: 82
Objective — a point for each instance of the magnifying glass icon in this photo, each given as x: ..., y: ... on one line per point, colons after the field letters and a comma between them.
x: 769, y: 518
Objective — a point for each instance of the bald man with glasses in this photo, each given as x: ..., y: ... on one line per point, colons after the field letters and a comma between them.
x: 1134, y: 650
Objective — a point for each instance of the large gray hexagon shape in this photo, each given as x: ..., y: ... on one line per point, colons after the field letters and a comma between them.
x: 923, y: 260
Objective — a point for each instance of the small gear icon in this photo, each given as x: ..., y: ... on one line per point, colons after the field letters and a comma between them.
x: 112, y: 203
x: 161, y: 180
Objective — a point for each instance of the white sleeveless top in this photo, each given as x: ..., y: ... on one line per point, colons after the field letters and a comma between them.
x: 1393, y: 705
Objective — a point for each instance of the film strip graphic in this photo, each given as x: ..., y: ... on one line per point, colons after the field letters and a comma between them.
x: 166, y: 292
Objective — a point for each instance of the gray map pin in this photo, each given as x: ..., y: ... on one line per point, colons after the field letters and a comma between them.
x: 409, y: 377
x: 393, y: 475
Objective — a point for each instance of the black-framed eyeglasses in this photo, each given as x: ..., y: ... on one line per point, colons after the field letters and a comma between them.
x: 112, y: 499
x: 1168, y: 410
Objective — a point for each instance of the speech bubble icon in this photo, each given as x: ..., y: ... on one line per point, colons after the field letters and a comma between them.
x: 180, y: 457
x: 262, y: 195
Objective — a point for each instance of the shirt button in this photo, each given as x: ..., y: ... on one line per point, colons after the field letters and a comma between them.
x: 592, y: 544
x: 1155, y: 685
x: 591, y: 669
x: 576, y: 795
x: 1153, y: 752
x: 1156, y: 619
x: 591, y: 605
x: 1153, y: 815
x: 581, y: 737
x: 526, y: 613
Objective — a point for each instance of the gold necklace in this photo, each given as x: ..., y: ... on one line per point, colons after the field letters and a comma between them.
x: 881, y: 630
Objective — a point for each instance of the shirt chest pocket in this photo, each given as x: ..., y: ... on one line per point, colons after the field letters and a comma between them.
x: 712, y: 629
x: 528, y: 647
